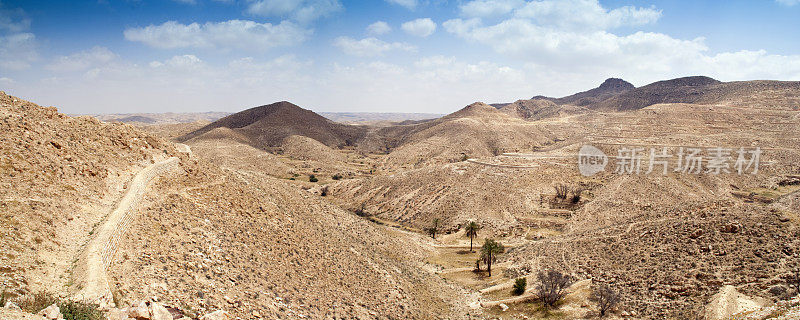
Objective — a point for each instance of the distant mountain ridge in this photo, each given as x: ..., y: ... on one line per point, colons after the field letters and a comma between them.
x: 478, y: 129
x: 615, y: 94
x: 697, y: 90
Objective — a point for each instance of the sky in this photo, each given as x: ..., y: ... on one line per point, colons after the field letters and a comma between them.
x: 431, y: 56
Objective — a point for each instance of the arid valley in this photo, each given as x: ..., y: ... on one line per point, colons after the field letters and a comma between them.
x: 276, y: 212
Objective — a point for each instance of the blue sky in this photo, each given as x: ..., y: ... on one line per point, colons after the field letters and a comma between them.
x: 126, y: 56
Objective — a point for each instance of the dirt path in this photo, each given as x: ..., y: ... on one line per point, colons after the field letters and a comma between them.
x: 91, y: 275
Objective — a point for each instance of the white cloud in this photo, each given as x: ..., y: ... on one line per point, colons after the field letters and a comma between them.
x: 17, y: 51
x: 641, y: 57
x: 369, y: 47
x: 6, y: 81
x: 431, y: 84
x: 185, y: 62
x: 303, y: 11
x: 788, y: 2
x: 240, y: 34
x: 489, y: 8
x: 408, y: 4
x: 13, y: 21
x: 180, y: 83
x: 419, y: 27
x: 17, y: 45
x: 97, y: 56
x: 379, y: 28
x: 584, y: 15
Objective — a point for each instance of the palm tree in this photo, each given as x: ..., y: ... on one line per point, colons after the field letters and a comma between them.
x: 489, y: 253
x: 435, y: 229
x: 471, y: 229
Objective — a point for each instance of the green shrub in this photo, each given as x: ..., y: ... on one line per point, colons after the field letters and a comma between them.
x: 80, y: 311
x: 520, y: 285
x: 336, y: 177
x: 312, y: 178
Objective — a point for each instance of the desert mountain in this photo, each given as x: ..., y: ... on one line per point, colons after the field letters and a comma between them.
x: 267, y: 126
x: 610, y: 87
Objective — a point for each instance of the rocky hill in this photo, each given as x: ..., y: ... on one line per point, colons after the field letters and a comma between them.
x: 537, y: 109
x: 267, y: 126
x: 609, y: 88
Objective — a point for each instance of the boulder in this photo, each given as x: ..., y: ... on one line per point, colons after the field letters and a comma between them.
x: 217, y: 315
x: 729, y: 303
x: 11, y: 305
x: 158, y: 312
x: 117, y: 314
x: 140, y: 311
x: 778, y: 290
x: 52, y: 312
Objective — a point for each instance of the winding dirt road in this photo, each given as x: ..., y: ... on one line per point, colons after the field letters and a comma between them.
x: 91, y: 274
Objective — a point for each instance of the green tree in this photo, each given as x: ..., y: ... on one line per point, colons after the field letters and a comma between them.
x: 489, y: 253
x: 471, y: 229
x: 434, y: 229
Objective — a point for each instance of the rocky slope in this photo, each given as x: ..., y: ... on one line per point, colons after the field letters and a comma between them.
x: 60, y: 176
x: 246, y: 242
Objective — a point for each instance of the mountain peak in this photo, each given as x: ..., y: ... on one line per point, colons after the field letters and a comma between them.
x: 616, y: 84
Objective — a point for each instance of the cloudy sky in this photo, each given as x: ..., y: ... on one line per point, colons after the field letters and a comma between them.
x: 121, y: 56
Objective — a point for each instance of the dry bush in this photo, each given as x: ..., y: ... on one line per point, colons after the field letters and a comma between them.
x: 552, y: 287
x: 80, y: 311
x: 36, y: 302
x: 362, y: 211
x: 3, y: 298
x: 606, y: 298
